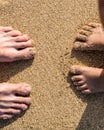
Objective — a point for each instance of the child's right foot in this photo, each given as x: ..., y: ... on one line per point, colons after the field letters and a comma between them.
x: 91, y: 37
x: 87, y: 79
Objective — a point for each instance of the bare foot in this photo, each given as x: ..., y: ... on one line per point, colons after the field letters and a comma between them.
x: 14, y: 98
x: 87, y: 79
x: 91, y: 37
x: 14, y: 46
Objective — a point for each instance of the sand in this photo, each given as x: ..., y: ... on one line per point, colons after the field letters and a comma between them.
x: 53, y: 25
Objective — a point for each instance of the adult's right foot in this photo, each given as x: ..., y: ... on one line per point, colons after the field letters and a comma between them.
x: 14, y: 98
x: 90, y: 37
x: 14, y: 45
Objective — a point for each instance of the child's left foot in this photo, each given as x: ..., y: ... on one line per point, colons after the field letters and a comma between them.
x: 90, y: 37
x: 87, y: 79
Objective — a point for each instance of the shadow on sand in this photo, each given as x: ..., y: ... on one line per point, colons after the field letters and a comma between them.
x: 93, y: 116
x: 7, y: 70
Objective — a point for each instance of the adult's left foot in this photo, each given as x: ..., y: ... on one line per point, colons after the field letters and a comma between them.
x: 87, y: 79
x: 14, y: 45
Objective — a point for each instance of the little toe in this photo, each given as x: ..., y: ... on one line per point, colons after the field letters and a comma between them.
x: 5, y: 29
x: 21, y: 45
x: 86, y: 91
x: 22, y: 38
x: 26, y: 53
x: 13, y: 33
x: 94, y: 25
x: 81, y: 37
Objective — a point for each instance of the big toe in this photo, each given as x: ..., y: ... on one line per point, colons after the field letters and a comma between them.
x: 26, y: 53
x: 82, y: 46
x: 22, y: 89
x: 75, y: 69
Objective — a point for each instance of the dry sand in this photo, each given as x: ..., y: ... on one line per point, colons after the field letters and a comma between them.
x: 53, y: 25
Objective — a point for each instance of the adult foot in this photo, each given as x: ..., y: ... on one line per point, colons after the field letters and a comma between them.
x: 87, y: 79
x: 90, y: 37
x: 14, y: 46
x: 14, y: 98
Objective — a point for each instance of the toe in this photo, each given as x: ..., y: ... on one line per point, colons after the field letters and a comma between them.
x: 13, y: 33
x: 82, y: 87
x: 6, y: 116
x: 21, y: 45
x: 75, y: 69
x: 26, y: 53
x: 22, y: 38
x: 17, y: 99
x: 81, y: 46
x: 10, y: 111
x: 86, y: 91
x: 77, y: 78
x: 19, y: 106
x: 23, y: 100
x: 13, y: 105
x: 95, y: 25
x: 81, y: 37
x: 19, y: 54
x: 22, y: 89
x: 78, y: 83
x: 87, y: 28
x: 5, y: 29
x: 85, y: 32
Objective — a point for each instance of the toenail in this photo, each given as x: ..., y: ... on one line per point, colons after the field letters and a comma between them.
x: 73, y: 79
x: 73, y: 70
x: 31, y: 52
x: 24, y: 107
x: 28, y: 90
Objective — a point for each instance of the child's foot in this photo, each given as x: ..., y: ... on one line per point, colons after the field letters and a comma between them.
x: 14, y: 98
x: 87, y: 79
x: 91, y: 37
x: 14, y: 46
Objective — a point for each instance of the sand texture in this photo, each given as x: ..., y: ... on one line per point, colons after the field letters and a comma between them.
x: 53, y: 25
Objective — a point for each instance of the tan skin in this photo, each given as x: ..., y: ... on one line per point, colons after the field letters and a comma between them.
x: 87, y: 79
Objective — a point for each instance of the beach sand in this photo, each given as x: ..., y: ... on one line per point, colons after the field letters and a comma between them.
x: 53, y: 25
